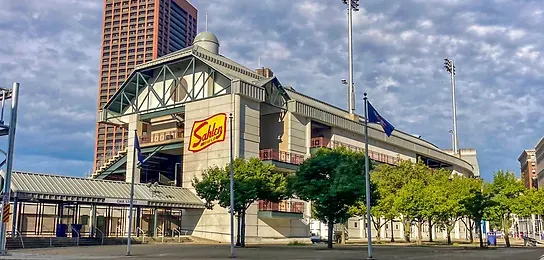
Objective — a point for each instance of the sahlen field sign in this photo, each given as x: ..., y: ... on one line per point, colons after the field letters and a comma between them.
x: 207, y: 132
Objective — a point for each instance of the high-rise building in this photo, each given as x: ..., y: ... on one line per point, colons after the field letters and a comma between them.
x: 527, y: 161
x: 134, y: 32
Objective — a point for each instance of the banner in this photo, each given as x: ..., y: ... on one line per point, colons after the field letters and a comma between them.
x: 207, y: 132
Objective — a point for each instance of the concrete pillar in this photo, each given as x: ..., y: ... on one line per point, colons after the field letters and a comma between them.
x: 93, y: 220
x: 456, y: 227
x: 14, y: 217
x: 155, y: 220
x: 133, y: 124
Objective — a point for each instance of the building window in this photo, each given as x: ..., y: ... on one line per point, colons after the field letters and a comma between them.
x: 355, y: 224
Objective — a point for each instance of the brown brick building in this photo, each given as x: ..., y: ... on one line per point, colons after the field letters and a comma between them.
x: 134, y: 32
x: 527, y: 161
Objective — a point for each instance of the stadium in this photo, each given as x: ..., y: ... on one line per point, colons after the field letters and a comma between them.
x: 179, y: 108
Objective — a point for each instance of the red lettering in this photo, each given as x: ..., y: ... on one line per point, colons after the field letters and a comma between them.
x: 200, y: 138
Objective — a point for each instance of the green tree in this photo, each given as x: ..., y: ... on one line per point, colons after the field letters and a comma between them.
x: 412, y: 200
x: 447, y: 193
x: 526, y: 205
x: 333, y: 180
x: 253, y: 181
x: 504, y: 190
x: 473, y: 203
x: 382, y: 201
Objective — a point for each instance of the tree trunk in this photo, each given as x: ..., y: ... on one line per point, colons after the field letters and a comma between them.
x: 471, y: 227
x: 505, y: 230
x: 238, y: 220
x: 430, y: 230
x: 330, y: 236
x: 243, y: 228
x: 419, y: 232
x: 378, y: 227
x: 392, y: 232
x: 480, y: 233
x: 407, y: 229
x: 343, y: 234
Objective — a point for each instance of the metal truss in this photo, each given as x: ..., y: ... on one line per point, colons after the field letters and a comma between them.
x: 129, y: 96
x: 275, y: 94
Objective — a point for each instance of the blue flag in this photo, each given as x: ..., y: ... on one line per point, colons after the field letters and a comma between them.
x: 138, y: 150
x: 374, y: 117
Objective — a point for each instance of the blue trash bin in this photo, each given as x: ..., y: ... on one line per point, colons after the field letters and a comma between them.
x: 61, y: 230
x: 491, y: 238
x: 76, y: 230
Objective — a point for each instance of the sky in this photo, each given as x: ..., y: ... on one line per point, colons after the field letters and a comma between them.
x: 52, y: 48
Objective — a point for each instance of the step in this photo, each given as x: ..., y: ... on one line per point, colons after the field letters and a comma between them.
x: 42, y: 242
x: 158, y: 240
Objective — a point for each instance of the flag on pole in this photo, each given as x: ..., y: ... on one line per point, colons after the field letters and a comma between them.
x: 374, y: 117
x: 138, y: 150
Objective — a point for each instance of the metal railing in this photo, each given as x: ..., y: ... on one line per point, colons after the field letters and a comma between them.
x: 20, y: 237
x: 162, y: 136
x: 50, y: 237
x: 282, y: 156
x: 110, y: 153
x: 376, y: 156
x: 78, y: 235
x: 101, y: 235
x: 162, y: 234
x: 174, y: 231
x: 282, y: 206
x: 143, y: 234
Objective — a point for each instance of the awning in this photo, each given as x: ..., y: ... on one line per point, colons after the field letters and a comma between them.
x: 37, y: 186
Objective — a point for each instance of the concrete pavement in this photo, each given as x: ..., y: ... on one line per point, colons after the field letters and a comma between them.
x: 266, y: 252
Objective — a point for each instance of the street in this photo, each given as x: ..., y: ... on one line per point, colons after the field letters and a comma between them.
x: 264, y: 252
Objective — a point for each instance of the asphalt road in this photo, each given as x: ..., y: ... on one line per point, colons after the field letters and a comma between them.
x: 265, y: 252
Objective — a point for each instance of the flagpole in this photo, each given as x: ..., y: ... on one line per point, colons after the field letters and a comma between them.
x: 129, y: 235
x: 367, y: 181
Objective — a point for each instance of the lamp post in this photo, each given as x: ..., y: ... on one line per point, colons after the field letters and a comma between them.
x: 450, y: 68
x: 353, y: 5
x: 232, y: 255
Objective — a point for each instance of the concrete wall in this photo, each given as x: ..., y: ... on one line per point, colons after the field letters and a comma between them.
x: 272, y: 127
x: 211, y: 224
x: 297, y: 133
x: 351, y: 138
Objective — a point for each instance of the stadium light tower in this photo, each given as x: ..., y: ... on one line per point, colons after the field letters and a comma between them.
x: 353, y: 5
x: 450, y: 68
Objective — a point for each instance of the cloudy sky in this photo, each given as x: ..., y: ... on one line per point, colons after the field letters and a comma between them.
x: 52, y: 48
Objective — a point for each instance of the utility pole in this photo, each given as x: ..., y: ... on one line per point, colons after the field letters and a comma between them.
x: 450, y: 68
x: 353, y: 5
x: 8, y: 130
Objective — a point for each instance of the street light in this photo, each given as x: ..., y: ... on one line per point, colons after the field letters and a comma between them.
x: 450, y: 68
x: 345, y: 82
x: 353, y: 5
x: 231, y: 184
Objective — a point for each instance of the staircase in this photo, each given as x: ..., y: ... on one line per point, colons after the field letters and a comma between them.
x: 42, y: 242
x: 109, y: 159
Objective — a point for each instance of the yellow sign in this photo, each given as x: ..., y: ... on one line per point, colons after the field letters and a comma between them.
x: 207, y: 132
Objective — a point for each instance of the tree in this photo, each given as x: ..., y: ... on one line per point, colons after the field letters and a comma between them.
x: 382, y: 200
x: 412, y: 200
x: 526, y: 205
x: 473, y: 203
x: 504, y: 191
x: 253, y: 181
x: 447, y: 193
x: 333, y: 180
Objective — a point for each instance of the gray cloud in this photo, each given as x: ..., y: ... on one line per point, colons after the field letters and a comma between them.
x: 52, y: 47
